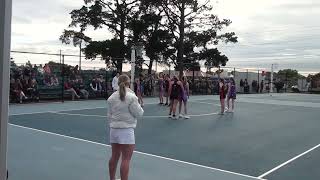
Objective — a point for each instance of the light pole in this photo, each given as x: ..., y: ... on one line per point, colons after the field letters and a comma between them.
x: 137, y: 47
x: 133, y: 64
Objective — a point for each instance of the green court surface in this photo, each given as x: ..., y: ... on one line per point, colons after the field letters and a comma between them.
x: 268, y: 137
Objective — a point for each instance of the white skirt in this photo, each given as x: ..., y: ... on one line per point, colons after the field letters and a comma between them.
x: 122, y: 136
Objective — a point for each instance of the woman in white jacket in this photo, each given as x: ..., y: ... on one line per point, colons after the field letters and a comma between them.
x: 123, y: 111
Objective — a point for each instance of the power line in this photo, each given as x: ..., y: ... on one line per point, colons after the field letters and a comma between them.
x: 54, y: 54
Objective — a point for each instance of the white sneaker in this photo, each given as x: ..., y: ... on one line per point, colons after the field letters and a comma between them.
x: 187, y: 117
x: 170, y: 116
x: 180, y: 116
x: 174, y: 117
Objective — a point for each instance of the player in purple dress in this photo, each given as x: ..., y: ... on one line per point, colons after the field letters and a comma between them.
x: 232, y: 94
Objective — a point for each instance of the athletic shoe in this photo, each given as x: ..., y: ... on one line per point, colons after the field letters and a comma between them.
x: 166, y: 104
x: 180, y: 116
x: 170, y: 116
x: 174, y: 117
x: 187, y: 117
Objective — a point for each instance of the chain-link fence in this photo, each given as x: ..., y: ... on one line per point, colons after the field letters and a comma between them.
x: 47, y: 76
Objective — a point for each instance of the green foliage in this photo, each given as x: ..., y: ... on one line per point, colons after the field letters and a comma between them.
x: 289, y: 74
x: 168, y: 29
x: 114, y: 15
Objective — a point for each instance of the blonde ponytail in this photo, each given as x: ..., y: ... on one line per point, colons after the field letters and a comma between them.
x: 123, y: 82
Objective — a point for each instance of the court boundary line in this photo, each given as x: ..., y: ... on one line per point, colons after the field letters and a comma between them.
x: 138, y: 152
x: 92, y: 115
x: 288, y: 162
x: 99, y: 107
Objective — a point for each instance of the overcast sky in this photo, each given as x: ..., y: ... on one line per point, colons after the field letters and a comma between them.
x: 270, y: 31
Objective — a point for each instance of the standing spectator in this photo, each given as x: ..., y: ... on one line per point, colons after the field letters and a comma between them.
x: 161, y: 88
x: 152, y: 84
x: 115, y: 85
x: 241, y: 86
x: 222, y: 93
x: 254, y: 85
x: 123, y: 111
x: 166, y: 88
x: 246, y: 86
x: 261, y: 86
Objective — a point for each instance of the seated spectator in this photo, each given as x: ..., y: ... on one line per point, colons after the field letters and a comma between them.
x: 68, y: 88
x: 96, y: 87
x: 47, y: 81
x: 32, y: 89
x: 54, y: 80
x: 80, y: 88
x: 47, y: 69
x: 13, y: 94
x: 18, y: 89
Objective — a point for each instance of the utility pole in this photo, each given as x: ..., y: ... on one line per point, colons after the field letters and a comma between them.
x: 133, y: 64
x: 271, y: 77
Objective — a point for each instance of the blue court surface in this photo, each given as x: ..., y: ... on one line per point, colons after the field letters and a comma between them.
x: 267, y: 137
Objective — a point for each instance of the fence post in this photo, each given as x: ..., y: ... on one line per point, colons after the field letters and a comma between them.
x: 5, y: 39
x: 63, y: 74
x: 193, y: 85
x: 106, y: 81
x: 258, y: 81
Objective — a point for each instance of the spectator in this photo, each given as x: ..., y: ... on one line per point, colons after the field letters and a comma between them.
x: 246, y: 86
x: 54, y: 80
x: 47, y: 69
x: 254, y: 85
x: 115, y: 85
x: 80, y: 88
x: 76, y: 70
x: 32, y: 89
x: 96, y: 87
x: 68, y: 88
x: 261, y: 86
x: 166, y: 89
x: 242, y: 86
x: 13, y: 94
x: 18, y: 89
x: 47, y: 81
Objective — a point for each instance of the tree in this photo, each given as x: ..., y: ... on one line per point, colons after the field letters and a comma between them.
x: 289, y: 76
x: 149, y: 28
x: 192, y: 22
x: 115, y: 15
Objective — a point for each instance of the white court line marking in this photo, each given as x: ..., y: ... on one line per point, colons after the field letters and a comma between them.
x: 206, y: 103
x: 84, y: 115
x: 138, y: 152
x: 42, y: 112
x: 289, y: 161
x: 92, y: 115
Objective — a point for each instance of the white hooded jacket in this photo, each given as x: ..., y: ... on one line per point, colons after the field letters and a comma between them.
x: 123, y: 114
